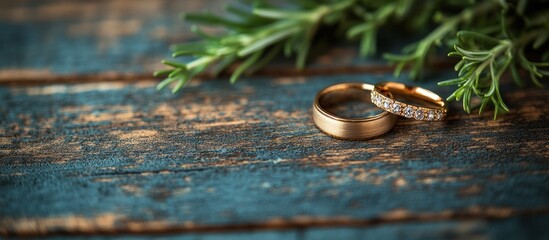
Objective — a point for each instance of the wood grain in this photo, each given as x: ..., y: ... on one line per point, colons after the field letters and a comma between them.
x: 67, y: 41
x: 108, y: 155
x: 120, y: 157
x: 526, y: 227
x: 59, y: 40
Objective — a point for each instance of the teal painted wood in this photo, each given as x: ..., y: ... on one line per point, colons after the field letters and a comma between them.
x: 45, y: 40
x: 68, y: 38
x: 121, y: 157
x: 512, y: 228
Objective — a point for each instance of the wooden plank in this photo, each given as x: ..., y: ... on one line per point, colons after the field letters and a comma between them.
x: 512, y: 228
x: 42, y: 40
x: 122, y: 158
x: 67, y: 41
x: 531, y: 227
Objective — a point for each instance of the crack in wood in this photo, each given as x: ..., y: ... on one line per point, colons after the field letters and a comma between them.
x: 272, y: 71
x: 109, y: 224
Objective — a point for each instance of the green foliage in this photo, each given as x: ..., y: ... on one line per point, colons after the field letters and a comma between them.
x: 479, y: 71
x: 491, y: 37
x: 254, y: 36
x: 486, y: 57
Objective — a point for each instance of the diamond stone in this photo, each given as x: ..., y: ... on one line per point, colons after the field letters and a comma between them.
x: 376, y: 99
x: 439, y: 115
x: 396, y: 108
x: 408, y: 112
x: 419, y: 114
x: 387, y: 104
x: 431, y: 115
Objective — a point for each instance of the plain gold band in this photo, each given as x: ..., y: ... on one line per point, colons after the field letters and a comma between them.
x: 350, y: 128
x: 382, y: 96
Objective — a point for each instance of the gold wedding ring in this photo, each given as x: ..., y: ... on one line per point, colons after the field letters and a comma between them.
x: 349, y: 128
x: 421, y: 104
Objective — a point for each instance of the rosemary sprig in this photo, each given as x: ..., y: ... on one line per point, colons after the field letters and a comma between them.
x: 479, y: 71
x: 418, y: 52
x: 485, y: 59
x: 491, y: 37
x: 255, y: 37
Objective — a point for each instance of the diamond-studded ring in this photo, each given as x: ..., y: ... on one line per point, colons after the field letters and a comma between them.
x: 389, y: 96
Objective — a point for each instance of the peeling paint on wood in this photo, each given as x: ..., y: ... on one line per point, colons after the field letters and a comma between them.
x: 220, y: 155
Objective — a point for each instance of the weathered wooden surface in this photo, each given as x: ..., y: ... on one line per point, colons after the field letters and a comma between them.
x: 103, y: 40
x: 511, y: 228
x: 120, y: 157
x: 59, y: 39
x: 244, y: 160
